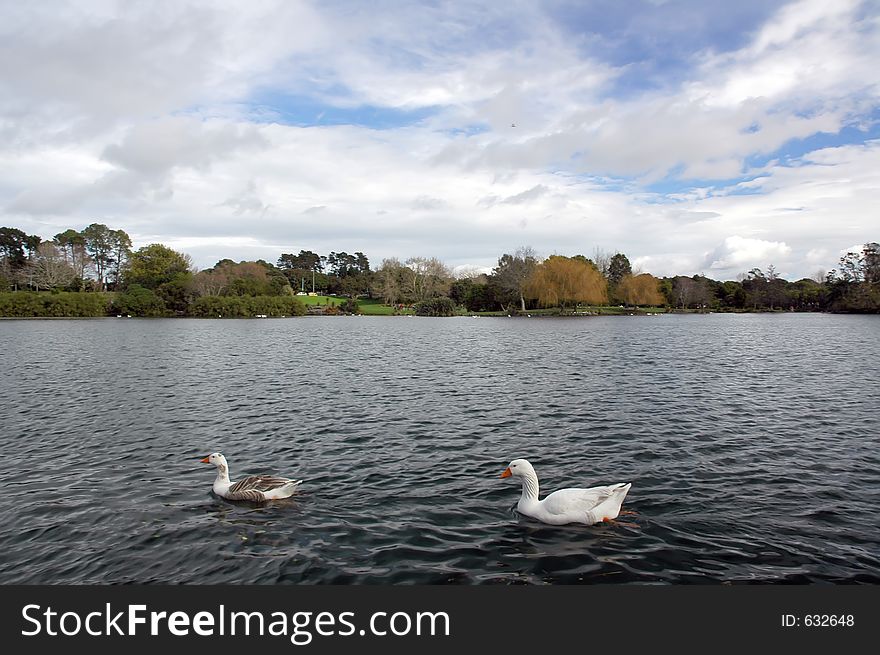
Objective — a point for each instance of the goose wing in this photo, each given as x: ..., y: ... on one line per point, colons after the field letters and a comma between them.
x: 261, y: 483
x: 566, y: 501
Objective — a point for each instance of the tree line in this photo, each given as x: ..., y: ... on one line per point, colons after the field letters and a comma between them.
x: 90, y: 259
x: 95, y: 272
x: 523, y: 282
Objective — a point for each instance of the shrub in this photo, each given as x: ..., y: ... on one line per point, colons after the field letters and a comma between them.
x: 26, y: 304
x: 441, y: 306
x: 138, y: 301
x: 350, y: 306
x: 245, y: 306
x: 20, y: 304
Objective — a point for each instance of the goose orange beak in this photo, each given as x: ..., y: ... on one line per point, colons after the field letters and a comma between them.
x: 207, y: 460
x: 506, y: 473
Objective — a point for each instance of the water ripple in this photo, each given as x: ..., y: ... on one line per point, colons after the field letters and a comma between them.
x: 751, y: 442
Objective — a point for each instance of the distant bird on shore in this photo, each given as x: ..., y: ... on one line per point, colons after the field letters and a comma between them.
x: 587, y: 506
x: 255, y: 488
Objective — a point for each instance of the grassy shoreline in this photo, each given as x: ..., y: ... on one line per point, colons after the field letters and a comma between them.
x: 102, y: 305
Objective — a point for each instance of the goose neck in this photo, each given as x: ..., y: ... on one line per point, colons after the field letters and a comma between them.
x: 530, y: 486
x: 222, y: 473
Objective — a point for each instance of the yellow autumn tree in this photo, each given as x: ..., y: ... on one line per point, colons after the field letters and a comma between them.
x: 559, y: 281
x: 642, y: 289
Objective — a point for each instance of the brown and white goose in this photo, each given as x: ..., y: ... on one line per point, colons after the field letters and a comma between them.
x: 255, y: 488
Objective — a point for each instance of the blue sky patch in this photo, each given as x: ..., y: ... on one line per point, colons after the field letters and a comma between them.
x: 303, y: 111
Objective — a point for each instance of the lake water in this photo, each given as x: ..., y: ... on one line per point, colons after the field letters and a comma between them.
x: 751, y: 442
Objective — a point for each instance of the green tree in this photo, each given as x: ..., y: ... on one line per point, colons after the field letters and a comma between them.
x: 618, y: 268
x: 733, y: 295
x: 7, y: 277
x: 306, y: 260
x: 390, y: 282
x: 304, y: 271
x: 857, y: 267
x: 72, y: 245
x: 15, y: 248
x: 139, y: 301
x: 352, y: 286
x: 120, y: 244
x: 775, y: 289
x: 227, y: 278
x: 155, y: 265
x: 871, y: 262
x: 460, y: 289
x: 99, y: 244
x: 247, y: 279
x: 514, y: 271
x: 755, y: 285
x: 341, y: 264
x: 691, y: 292
x: 164, y: 271
x: 350, y: 306
x: 854, y: 286
x: 806, y: 294
x: 484, y: 297
x: 436, y: 306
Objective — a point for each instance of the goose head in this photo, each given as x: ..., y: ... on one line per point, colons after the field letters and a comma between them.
x: 217, y: 459
x: 519, y: 468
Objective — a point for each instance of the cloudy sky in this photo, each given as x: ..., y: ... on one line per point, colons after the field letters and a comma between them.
x: 693, y: 135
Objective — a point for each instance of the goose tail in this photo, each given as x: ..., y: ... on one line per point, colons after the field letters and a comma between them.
x: 621, y: 489
x: 284, y: 491
x: 618, y: 493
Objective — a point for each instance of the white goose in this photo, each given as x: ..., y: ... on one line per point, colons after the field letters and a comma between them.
x: 256, y: 488
x: 587, y: 506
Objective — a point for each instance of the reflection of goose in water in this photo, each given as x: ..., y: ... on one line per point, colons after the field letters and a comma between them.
x: 587, y: 506
x: 255, y: 488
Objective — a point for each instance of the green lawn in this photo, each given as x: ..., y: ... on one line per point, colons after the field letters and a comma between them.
x: 375, y: 307
x: 320, y: 300
x: 368, y: 306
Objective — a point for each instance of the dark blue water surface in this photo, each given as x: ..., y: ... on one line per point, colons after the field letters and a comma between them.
x: 751, y: 442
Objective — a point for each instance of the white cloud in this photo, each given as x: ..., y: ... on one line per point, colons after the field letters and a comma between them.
x: 151, y: 149
x: 429, y: 203
x: 818, y: 256
x: 167, y: 119
x: 101, y: 62
x: 246, y: 202
x: 812, y: 55
x: 526, y: 196
x: 738, y: 253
